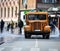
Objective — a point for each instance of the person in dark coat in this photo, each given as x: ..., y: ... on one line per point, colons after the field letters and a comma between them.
x: 52, y: 25
x: 20, y: 25
x: 2, y: 25
x: 55, y: 22
x: 8, y: 27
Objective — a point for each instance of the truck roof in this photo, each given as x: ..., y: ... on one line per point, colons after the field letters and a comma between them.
x: 37, y: 13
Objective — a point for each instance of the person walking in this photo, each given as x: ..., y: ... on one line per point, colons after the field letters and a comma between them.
x: 8, y: 26
x: 55, y: 22
x: 15, y: 25
x: 2, y: 25
x: 12, y: 26
x: 20, y: 25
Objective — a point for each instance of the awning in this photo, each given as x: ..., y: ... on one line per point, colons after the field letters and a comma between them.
x: 26, y: 11
x: 54, y: 9
x: 54, y: 15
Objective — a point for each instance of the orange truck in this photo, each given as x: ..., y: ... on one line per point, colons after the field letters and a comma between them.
x: 37, y: 23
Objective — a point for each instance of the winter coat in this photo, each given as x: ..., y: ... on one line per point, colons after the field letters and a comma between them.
x: 12, y: 25
x: 20, y: 24
x: 2, y: 24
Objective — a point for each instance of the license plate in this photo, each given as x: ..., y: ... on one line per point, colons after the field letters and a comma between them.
x: 37, y: 30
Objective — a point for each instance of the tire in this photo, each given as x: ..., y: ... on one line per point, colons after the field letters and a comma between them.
x: 43, y: 36
x: 47, y: 36
x: 27, y: 35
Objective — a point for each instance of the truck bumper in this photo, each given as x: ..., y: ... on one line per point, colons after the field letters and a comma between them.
x: 37, y: 32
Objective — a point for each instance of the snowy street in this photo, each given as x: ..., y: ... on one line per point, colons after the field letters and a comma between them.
x: 15, y: 41
x: 8, y: 36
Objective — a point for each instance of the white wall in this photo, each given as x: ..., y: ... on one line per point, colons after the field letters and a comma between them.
x: 22, y: 14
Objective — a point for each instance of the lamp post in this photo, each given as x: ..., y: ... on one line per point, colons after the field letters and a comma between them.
x: 19, y: 11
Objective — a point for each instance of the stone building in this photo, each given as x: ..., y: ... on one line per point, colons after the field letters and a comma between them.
x: 9, y: 10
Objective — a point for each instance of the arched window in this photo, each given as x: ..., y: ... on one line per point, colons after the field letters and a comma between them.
x: 16, y: 11
x: 1, y: 11
x: 8, y: 12
x: 12, y: 11
x: 4, y: 12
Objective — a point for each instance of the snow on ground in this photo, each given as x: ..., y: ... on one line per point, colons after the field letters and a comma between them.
x: 7, y: 35
x: 55, y: 33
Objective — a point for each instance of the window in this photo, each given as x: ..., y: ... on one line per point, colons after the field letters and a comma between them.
x: 24, y: 2
x: 4, y: 12
x: 1, y: 11
x: 8, y: 12
x: 16, y: 12
x: 49, y: 1
x: 4, y: 0
x: 8, y: 0
x: 37, y: 17
x: 39, y: 1
x: 1, y: 0
x: 12, y: 11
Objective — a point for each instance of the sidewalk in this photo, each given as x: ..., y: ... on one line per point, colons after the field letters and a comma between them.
x: 7, y: 36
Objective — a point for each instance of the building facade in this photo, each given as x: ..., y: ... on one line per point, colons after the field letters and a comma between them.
x: 39, y: 5
x: 9, y: 10
x: 45, y: 4
x: 27, y: 4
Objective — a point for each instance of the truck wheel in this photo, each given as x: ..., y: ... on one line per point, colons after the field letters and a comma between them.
x: 27, y: 36
x: 47, y: 36
x: 43, y: 36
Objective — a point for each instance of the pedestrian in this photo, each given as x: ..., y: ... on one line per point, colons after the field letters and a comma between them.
x: 8, y: 26
x: 2, y: 25
x: 15, y: 25
x: 52, y: 25
x: 55, y: 22
x: 12, y: 26
x: 20, y: 25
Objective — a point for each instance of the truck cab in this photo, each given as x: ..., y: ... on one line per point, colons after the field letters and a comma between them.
x: 37, y: 23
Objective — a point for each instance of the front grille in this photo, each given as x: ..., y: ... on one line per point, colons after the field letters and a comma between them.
x: 39, y: 25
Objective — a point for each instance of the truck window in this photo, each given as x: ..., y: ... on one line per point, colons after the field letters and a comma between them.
x: 37, y: 17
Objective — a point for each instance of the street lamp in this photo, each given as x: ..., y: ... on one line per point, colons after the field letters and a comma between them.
x: 19, y: 11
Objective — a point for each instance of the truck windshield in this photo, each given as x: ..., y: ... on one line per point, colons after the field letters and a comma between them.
x: 37, y: 17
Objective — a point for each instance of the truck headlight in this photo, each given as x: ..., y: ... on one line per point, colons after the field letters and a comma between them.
x: 27, y: 28
x: 47, y: 28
